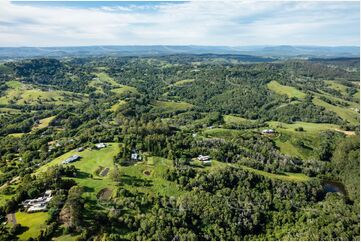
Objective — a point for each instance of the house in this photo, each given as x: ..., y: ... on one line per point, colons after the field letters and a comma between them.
x: 135, y: 156
x: 100, y: 145
x: 38, y: 204
x: 268, y: 131
x: 71, y: 159
x: 203, y: 157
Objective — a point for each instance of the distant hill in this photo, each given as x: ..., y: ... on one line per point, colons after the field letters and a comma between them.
x: 284, y: 51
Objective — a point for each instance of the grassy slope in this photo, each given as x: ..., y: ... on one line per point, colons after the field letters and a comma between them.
x: 230, y: 119
x: 157, y: 167
x: 287, y: 137
x: 116, y: 106
x: 163, y: 106
x: 43, y: 123
x: 183, y: 82
x: 285, y: 90
x: 22, y: 94
x: 90, y: 161
x: 33, y: 221
x: 288, y: 176
x: 343, y: 112
x: 104, y: 78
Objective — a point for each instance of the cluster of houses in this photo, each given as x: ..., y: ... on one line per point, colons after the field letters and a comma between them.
x: 38, y: 204
x: 205, y: 159
x: 268, y: 131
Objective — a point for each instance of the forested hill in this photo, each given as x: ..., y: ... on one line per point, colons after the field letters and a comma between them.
x: 180, y: 147
x: 271, y: 51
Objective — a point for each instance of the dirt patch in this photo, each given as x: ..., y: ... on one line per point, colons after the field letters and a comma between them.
x: 348, y: 133
x: 11, y: 218
x: 147, y: 173
x: 104, y: 172
x: 104, y: 194
x: 98, y: 170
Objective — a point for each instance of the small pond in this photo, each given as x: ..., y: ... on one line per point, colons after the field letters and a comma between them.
x: 333, y: 186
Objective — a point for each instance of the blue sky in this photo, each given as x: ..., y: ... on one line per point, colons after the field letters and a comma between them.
x: 232, y: 23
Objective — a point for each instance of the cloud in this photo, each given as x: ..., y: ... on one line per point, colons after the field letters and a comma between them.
x: 182, y: 23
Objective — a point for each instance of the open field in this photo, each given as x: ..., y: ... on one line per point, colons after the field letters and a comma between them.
x: 43, y: 123
x: 116, y: 106
x: 285, y: 90
x: 287, y: 176
x: 90, y: 161
x: 22, y: 94
x: 165, y: 106
x: 183, y: 82
x: 337, y: 86
x: 231, y: 119
x: 104, y: 79
x: 308, y: 127
x: 34, y: 223
x: 148, y: 177
x: 343, y: 112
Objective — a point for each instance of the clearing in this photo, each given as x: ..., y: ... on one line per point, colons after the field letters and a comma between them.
x: 33, y: 222
x: 285, y: 90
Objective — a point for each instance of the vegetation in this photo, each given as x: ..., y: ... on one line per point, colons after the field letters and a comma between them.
x: 274, y: 147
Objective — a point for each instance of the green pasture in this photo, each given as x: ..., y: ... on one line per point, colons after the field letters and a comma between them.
x: 33, y: 223
x: 285, y: 90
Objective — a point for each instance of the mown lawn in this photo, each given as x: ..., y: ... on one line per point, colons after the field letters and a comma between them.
x: 148, y: 177
x: 285, y: 90
x: 90, y: 161
x: 34, y: 222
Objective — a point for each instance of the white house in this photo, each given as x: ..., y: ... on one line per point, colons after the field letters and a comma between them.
x: 203, y: 157
x: 71, y: 159
x: 100, y: 145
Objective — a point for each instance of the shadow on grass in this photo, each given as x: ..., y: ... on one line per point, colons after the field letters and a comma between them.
x: 135, y: 181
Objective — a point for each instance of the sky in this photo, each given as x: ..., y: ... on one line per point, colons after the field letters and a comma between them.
x: 223, y: 23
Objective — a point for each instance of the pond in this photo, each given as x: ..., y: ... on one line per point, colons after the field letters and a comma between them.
x: 333, y: 186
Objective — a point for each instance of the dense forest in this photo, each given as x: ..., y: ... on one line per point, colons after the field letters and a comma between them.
x: 281, y: 140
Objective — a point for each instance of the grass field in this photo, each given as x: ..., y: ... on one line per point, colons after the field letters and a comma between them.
x: 16, y: 135
x: 43, y: 123
x: 230, y: 119
x: 25, y: 94
x: 103, y: 78
x: 166, y: 107
x: 343, y: 112
x: 33, y: 221
x: 308, y: 127
x: 88, y: 164
x: 285, y: 90
x: 183, y: 82
x: 337, y: 86
x: 222, y: 133
x: 116, y: 106
x: 287, y: 137
x: 287, y: 176
x: 148, y: 177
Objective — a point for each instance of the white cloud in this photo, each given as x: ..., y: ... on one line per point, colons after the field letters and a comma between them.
x: 201, y: 23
